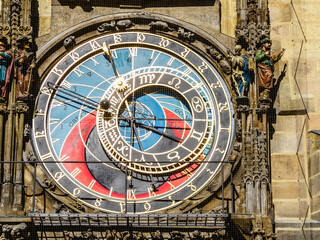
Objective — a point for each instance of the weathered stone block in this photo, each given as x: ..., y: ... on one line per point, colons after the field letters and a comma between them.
x: 294, y: 208
x: 315, y: 206
x: 290, y: 100
x: 280, y: 12
x: 286, y: 143
x: 289, y: 190
x: 314, y: 163
x: 314, y: 184
x: 298, y: 234
x: 288, y: 123
x: 279, y: 30
x: 285, y: 167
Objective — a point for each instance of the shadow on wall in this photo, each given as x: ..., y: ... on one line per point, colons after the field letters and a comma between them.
x: 88, y: 4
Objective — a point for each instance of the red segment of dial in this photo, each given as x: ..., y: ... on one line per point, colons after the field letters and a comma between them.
x: 74, y: 146
x: 180, y: 128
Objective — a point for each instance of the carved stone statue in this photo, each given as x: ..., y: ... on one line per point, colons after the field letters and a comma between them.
x: 265, y: 66
x: 6, y: 64
x: 24, y: 63
x: 240, y: 72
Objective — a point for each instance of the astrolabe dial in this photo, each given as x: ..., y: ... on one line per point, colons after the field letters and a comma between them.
x: 161, y: 125
x: 132, y: 122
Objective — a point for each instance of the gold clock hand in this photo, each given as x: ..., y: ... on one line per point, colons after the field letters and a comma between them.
x: 133, y: 127
x: 156, y: 130
x: 107, y: 51
x: 73, y: 94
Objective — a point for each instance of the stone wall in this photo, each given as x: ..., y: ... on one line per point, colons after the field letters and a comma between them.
x: 295, y: 158
x: 55, y: 17
x: 294, y: 26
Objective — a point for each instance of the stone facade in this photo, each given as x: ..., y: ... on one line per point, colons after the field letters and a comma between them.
x: 294, y: 147
x: 294, y: 122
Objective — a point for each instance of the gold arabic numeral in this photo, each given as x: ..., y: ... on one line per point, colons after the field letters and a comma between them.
x: 98, y: 202
x: 58, y: 176
x: 147, y: 78
x: 197, y: 104
x: 141, y: 37
x: 76, y: 191
x: 131, y: 194
x: 196, y: 135
x: 175, y: 81
x: 172, y: 200
x: 164, y: 42
x: 95, y: 45
x: 57, y: 71
x: 220, y: 151
x: 46, y: 91
x: 209, y: 171
x: 151, y: 192
x: 77, y: 71
x: 223, y: 107
x: 39, y: 112
x: 75, y: 172
x: 193, y: 187
x: 225, y: 129
x: 215, y: 85
x: 92, y: 183
x: 185, y: 53
x: 147, y: 206
x: 39, y: 134
x: 173, y: 156
x: 203, y: 67
x: 75, y: 56
x: 117, y: 38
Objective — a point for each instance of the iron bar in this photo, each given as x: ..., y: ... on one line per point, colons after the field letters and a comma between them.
x: 304, y: 222
x: 298, y: 20
x: 300, y: 164
x: 295, y: 79
x: 107, y: 162
x: 34, y: 187
x: 222, y: 186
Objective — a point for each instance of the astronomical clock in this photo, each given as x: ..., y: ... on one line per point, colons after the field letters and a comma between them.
x: 133, y: 114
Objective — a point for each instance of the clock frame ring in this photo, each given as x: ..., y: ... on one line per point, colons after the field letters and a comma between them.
x: 162, y: 35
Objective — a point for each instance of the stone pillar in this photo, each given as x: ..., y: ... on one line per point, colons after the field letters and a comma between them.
x: 21, y: 110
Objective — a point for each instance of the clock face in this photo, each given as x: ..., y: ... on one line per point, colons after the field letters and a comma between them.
x: 139, y: 128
